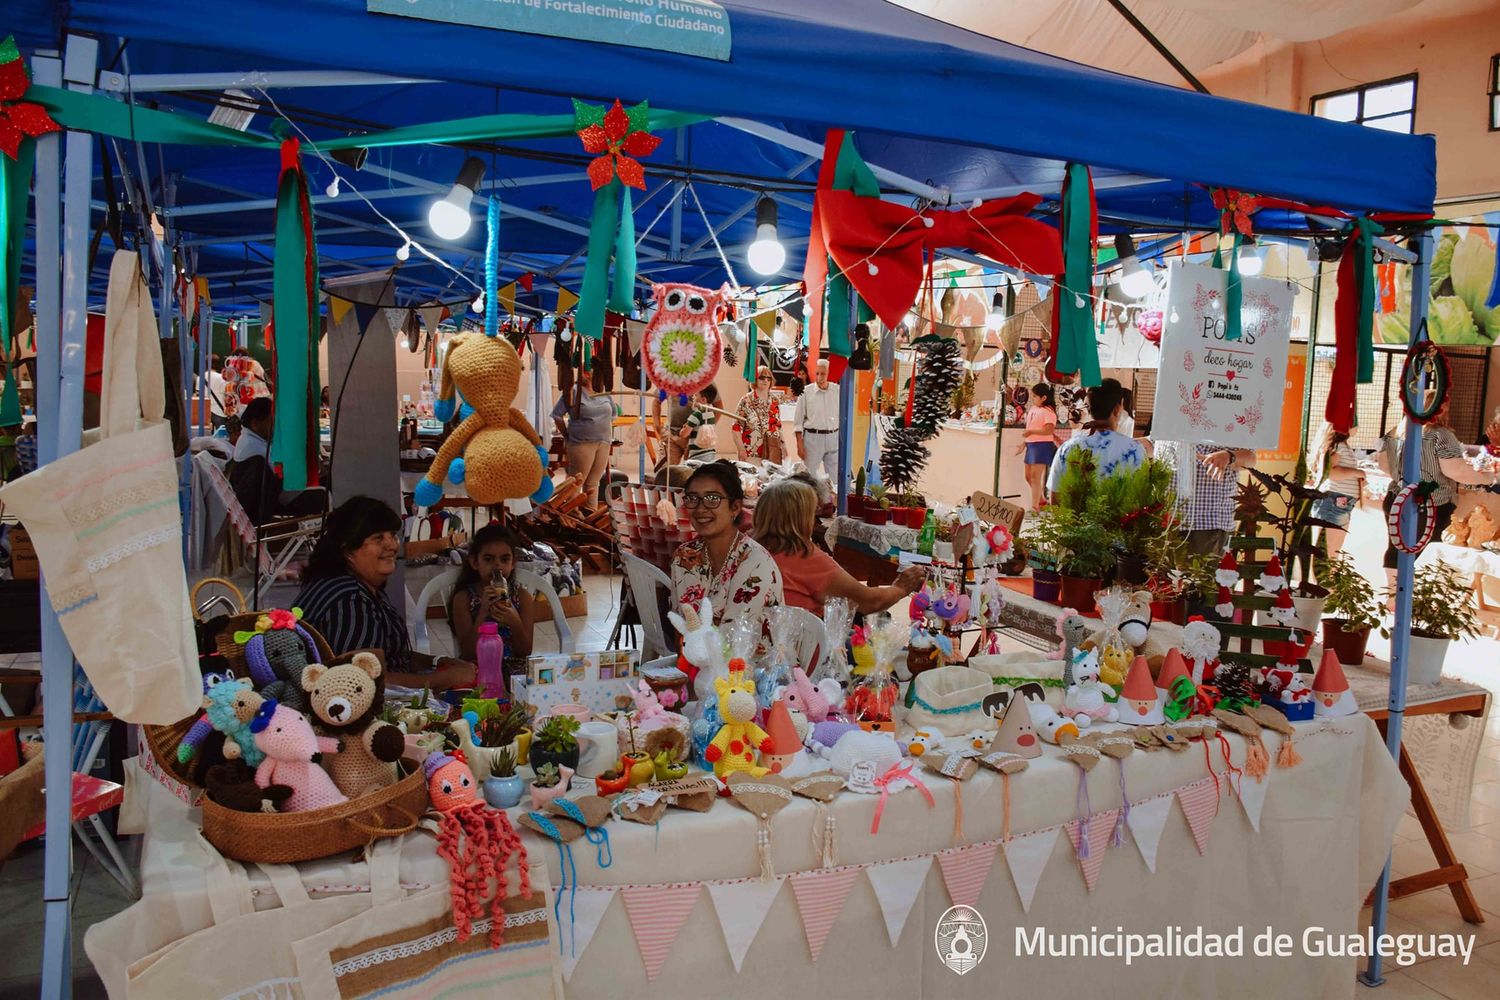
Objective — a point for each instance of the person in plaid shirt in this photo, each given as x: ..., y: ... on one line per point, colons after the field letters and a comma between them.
x: 1208, y: 514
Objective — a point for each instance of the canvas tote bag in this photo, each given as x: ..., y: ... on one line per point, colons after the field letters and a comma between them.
x: 108, y: 532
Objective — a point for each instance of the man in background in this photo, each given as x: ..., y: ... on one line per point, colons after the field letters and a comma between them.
x: 817, y: 425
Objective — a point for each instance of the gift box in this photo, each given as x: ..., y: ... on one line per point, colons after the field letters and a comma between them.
x: 598, y: 696
x: 1296, y: 711
x: 572, y: 668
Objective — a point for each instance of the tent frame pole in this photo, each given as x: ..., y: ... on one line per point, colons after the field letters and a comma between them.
x: 1411, y: 472
x: 161, y: 83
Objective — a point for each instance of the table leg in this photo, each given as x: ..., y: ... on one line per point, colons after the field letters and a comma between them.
x: 1450, y: 871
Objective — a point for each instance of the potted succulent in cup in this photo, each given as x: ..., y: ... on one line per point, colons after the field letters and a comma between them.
x: 1352, y: 611
x: 1440, y: 613
x: 550, y: 782
x: 635, y: 762
x: 556, y: 742
x: 504, y: 788
x: 668, y: 769
x: 878, y: 507
x: 613, y: 781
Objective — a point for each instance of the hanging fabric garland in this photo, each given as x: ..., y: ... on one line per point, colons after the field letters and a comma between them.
x: 1074, y: 349
x: 1353, y: 323
x: 616, y: 136
x: 1235, y: 209
x: 294, y: 443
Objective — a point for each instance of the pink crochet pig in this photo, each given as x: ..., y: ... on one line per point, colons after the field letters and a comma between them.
x: 293, y: 752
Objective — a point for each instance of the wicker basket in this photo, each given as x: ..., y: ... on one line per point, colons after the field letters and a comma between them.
x: 163, y: 740
x: 288, y: 838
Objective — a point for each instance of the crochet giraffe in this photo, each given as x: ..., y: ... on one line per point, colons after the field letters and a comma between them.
x: 733, y: 747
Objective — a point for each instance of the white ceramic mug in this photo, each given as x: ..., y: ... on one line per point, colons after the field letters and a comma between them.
x: 598, y: 748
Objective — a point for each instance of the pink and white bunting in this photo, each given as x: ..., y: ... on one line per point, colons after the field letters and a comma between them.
x: 820, y: 900
x: 1100, y: 826
x: 1200, y: 804
x: 966, y: 870
x: 657, y: 913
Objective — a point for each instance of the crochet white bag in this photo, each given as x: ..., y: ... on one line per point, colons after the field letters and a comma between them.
x: 950, y: 700
x: 108, y: 531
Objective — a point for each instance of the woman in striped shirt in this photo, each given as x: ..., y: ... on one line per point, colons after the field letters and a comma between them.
x: 343, y: 596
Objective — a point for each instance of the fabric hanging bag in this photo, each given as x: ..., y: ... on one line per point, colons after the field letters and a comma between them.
x: 108, y: 531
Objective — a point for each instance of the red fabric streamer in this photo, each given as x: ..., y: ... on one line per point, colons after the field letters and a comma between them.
x: 1339, y: 409
x: 815, y: 270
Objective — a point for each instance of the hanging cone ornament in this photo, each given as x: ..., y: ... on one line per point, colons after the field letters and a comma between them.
x: 1272, y: 579
x: 1331, y: 694
x: 785, y: 746
x: 1228, y: 573
x: 1173, y: 666
x: 1140, y: 702
x: 1224, y: 607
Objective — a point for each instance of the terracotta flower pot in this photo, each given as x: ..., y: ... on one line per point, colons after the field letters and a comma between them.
x: 612, y: 786
x: 1046, y: 585
x: 1078, y: 591
x: 1173, y: 611
x: 877, y: 515
x: 1349, y: 646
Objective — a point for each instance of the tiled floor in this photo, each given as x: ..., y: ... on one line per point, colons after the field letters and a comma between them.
x: 96, y: 896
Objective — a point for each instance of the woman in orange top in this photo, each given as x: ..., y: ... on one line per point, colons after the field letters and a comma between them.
x: 784, y: 518
x: 1041, y: 444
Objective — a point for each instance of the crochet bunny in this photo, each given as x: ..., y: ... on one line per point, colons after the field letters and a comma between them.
x: 702, y: 646
x: 502, y: 456
x: 647, y: 708
x: 812, y: 700
x: 293, y: 752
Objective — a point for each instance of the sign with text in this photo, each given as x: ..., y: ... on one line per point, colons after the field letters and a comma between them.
x: 1210, y: 390
x: 688, y: 27
x: 993, y: 510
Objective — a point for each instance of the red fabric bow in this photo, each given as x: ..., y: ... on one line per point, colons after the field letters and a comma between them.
x: 1235, y: 209
x: 879, y: 245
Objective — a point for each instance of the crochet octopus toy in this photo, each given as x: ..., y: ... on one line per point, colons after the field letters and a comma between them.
x: 502, y: 456
x: 477, y: 842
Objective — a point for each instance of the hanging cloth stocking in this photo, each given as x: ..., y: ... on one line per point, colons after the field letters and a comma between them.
x: 1074, y: 348
x: 1353, y: 324
x: 294, y: 443
x: 1233, y: 291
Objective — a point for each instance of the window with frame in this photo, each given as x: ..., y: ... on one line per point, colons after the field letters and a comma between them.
x: 1386, y: 104
x: 1494, y: 92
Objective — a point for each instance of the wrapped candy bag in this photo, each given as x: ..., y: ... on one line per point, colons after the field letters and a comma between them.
x: 870, y: 701
x: 741, y: 637
x: 1115, y: 654
x: 833, y: 663
x: 776, y: 672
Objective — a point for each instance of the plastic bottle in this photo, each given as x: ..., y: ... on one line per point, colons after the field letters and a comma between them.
x: 489, y: 651
x: 927, y: 537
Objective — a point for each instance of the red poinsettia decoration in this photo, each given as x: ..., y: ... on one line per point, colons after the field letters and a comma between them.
x: 18, y: 118
x: 1235, y: 209
x: 615, y: 136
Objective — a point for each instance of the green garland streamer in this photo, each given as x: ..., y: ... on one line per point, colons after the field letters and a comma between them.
x: 611, y: 238
x: 15, y: 189
x: 1233, y: 291
x: 1365, y: 232
x: 1077, y: 350
x: 295, y: 301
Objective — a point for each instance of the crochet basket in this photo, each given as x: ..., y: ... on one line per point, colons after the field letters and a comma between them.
x: 288, y: 838
x: 163, y: 740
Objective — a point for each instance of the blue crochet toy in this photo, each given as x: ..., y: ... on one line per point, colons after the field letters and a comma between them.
x: 230, y: 704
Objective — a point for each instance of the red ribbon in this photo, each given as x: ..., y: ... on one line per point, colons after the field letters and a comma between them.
x: 896, y: 773
x: 861, y: 232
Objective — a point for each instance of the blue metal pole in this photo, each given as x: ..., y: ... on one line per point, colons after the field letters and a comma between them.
x: 1411, y: 472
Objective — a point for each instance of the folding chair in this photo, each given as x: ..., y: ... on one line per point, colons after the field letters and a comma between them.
x: 416, y: 614
x: 535, y: 583
x: 644, y: 579
x: 271, y: 548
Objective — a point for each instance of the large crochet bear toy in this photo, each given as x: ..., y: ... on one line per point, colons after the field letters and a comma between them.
x: 346, y: 699
x: 503, y: 458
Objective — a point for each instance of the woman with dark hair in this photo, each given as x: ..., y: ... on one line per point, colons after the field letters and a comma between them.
x: 1113, y: 451
x: 723, y: 563
x: 343, y: 596
x: 1040, y: 442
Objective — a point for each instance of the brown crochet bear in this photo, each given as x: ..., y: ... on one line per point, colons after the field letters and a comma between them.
x: 347, y: 700
x: 502, y: 453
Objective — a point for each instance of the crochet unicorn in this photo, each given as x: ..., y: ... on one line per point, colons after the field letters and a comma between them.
x: 733, y: 747
x: 702, y: 646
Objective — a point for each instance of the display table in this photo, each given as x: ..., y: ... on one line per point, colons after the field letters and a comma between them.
x: 1324, y: 830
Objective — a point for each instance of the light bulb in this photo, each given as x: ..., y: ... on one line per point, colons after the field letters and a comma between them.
x: 1137, y: 282
x: 1077, y: 300
x: 1250, y: 262
x: 403, y: 252
x: 449, y: 215
x: 766, y: 255
x: 405, y: 344
x: 566, y: 336
x: 332, y: 190
x: 997, y: 309
x: 478, y: 304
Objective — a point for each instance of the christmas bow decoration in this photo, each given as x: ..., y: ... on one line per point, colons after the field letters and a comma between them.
x: 1184, y: 698
x: 897, y: 772
x: 294, y: 442
x: 1353, y: 323
x: 1235, y: 209
x: 18, y: 119
x: 615, y: 136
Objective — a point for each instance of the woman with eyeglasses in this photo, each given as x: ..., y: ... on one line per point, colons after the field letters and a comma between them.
x: 723, y: 563
x: 758, y: 423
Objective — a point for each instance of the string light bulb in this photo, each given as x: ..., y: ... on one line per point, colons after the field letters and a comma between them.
x: 332, y: 190
x: 1250, y: 262
x: 403, y: 252
x: 1135, y: 280
x: 478, y: 303
x: 766, y: 255
x: 449, y: 215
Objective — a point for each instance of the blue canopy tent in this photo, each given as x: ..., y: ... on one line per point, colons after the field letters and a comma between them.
x: 941, y: 114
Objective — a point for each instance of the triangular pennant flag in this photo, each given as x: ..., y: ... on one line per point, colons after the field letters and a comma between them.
x: 820, y: 900
x: 364, y: 315
x: 396, y: 319
x: 1252, y: 793
x: 586, y: 911
x: 527, y: 280
x: 896, y: 885
x: 1027, y: 856
x: 742, y: 908
x: 1200, y: 803
x: 965, y: 871
x: 1101, y: 825
x: 565, y: 300
x: 432, y: 314
x: 507, y: 297
x: 338, y: 308
x: 1146, y: 821
x: 657, y: 913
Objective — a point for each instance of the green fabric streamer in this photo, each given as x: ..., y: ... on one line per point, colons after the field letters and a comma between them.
x: 1233, y: 292
x: 836, y: 325
x: 622, y: 298
x: 603, y: 227
x: 752, y: 351
x: 93, y: 113
x: 295, y: 301
x: 1364, y: 276
x: 15, y: 190
x: 852, y: 173
x: 1077, y: 350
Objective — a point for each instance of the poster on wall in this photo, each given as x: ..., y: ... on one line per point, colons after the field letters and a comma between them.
x: 1214, y: 391
x: 1465, y: 306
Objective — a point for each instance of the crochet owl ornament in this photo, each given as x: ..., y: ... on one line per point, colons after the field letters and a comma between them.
x: 494, y: 452
x: 682, y: 342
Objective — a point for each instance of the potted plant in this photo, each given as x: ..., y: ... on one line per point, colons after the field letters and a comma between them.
x: 550, y: 782
x: 1089, y: 554
x: 667, y: 769
x: 556, y: 742
x: 1352, y: 609
x: 503, y: 788
x: 1440, y: 613
x: 1042, y: 538
x: 502, y: 729
x: 1140, y: 503
x: 635, y: 762
x: 612, y: 782
x: 878, y: 507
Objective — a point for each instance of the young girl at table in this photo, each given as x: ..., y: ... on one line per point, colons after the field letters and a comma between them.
x: 486, y: 591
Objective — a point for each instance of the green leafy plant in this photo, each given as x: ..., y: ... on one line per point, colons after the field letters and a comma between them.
x: 504, y: 765
x: 1350, y: 597
x: 1042, y: 537
x: 1088, y: 518
x: 547, y: 776
x: 558, y: 734
x: 501, y: 729
x: 1440, y: 606
x: 1142, y: 499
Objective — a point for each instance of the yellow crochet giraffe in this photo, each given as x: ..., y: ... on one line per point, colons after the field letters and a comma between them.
x: 733, y: 747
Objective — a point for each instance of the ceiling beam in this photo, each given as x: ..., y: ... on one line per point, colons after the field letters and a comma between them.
x: 162, y: 83
x: 262, y: 204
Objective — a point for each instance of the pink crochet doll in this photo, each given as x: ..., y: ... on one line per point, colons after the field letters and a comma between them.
x: 476, y: 841
x: 293, y: 752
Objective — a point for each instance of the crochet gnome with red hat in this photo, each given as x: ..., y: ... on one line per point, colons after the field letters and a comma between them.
x: 1331, y: 694
x: 1272, y: 579
x: 787, y: 756
x: 1140, y: 702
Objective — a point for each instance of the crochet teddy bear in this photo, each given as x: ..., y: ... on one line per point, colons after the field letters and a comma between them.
x: 346, y: 700
x: 503, y: 458
x: 277, y: 652
x: 293, y: 752
x: 733, y: 747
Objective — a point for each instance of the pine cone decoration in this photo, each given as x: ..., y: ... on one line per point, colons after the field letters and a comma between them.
x: 1235, y: 682
x: 902, y: 459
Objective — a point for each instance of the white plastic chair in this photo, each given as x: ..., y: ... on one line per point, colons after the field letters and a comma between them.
x: 809, y: 638
x: 416, y: 623
x: 643, y: 579
x: 535, y: 583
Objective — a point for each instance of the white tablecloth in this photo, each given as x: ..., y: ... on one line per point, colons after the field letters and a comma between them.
x: 1325, y: 829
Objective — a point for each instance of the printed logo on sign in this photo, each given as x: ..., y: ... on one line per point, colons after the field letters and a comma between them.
x: 960, y: 938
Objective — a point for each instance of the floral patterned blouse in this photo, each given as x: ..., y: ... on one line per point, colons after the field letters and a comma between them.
x: 759, y: 420
x: 746, y: 585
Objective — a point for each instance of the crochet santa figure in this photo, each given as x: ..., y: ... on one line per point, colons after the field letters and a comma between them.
x: 1201, y: 643
x: 1272, y: 579
x: 1228, y: 573
x: 1140, y: 702
x: 1331, y: 694
x: 1224, y: 606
